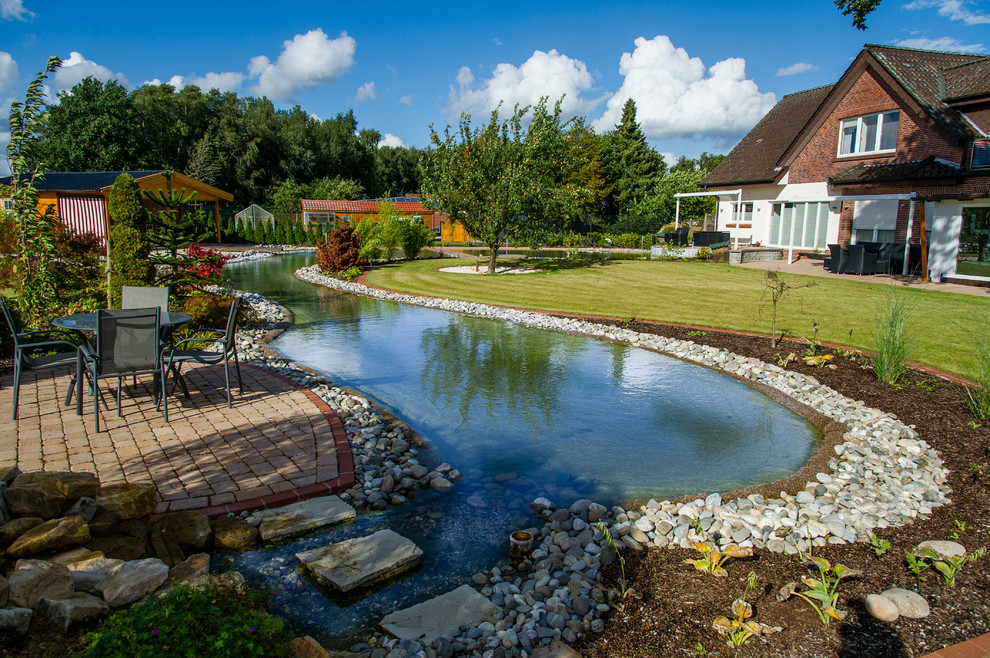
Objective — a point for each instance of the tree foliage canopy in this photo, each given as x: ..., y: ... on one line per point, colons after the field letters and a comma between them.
x: 499, y: 180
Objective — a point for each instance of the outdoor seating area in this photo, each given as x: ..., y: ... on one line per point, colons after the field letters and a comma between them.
x: 123, y: 343
x: 280, y: 440
x: 872, y: 258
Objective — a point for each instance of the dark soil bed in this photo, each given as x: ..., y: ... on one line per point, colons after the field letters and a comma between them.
x: 678, y: 605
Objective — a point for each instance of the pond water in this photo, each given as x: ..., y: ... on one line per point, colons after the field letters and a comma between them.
x: 522, y: 412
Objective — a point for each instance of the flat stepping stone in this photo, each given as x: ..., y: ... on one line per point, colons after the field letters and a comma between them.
x: 302, y: 516
x: 440, y: 617
x: 355, y: 562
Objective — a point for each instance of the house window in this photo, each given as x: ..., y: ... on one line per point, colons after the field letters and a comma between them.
x: 799, y: 225
x: 871, y: 133
x: 981, y: 154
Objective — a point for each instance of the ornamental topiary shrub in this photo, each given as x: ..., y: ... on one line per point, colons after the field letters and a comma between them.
x: 415, y: 236
x: 129, y: 245
x: 339, y: 252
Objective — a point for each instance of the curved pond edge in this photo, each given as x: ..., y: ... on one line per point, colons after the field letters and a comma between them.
x: 870, y: 470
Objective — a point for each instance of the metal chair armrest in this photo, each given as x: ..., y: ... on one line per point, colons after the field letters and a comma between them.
x: 196, y: 339
x: 48, y: 343
x: 46, y: 332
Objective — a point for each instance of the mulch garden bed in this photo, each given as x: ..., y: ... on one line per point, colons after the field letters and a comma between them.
x: 678, y: 605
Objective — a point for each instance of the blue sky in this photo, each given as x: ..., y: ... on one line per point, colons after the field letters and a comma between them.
x: 702, y: 74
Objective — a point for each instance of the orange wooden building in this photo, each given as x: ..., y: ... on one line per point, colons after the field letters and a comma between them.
x: 80, y: 197
x: 330, y: 212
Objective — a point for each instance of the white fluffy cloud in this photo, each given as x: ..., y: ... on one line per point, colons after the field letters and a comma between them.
x: 794, y: 69
x: 9, y: 77
x: 956, y: 10
x: 218, y: 81
x: 941, y: 43
x: 543, y: 74
x: 390, y: 140
x: 406, y: 101
x: 365, y: 92
x: 77, y: 67
x: 676, y: 96
x: 306, y: 60
x: 13, y: 10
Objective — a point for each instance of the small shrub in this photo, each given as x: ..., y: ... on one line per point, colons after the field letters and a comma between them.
x: 774, y: 289
x: 216, y: 620
x: 879, y: 546
x: 339, y: 252
x: 949, y: 567
x: 891, y: 340
x: 415, y: 236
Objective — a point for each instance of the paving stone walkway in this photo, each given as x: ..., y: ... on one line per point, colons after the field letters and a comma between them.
x: 278, y: 444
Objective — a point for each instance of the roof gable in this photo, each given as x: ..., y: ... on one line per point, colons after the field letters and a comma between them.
x: 369, y: 206
x: 756, y: 157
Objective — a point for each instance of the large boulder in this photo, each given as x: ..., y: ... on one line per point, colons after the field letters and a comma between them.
x: 15, y: 620
x: 34, y: 500
x: 11, y: 530
x: 4, y: 592
x: 71, y: 485
x: 33, y: 579
x: 132, y: 581
x: 195, y: 566
x: 51, y: 536
x: 231, y: 533
x: 9, y: 473
x: 128, y: 501
x: 88, y: 575
x: 77, y: 609
x: 190, y: 529
x: 120, y: 547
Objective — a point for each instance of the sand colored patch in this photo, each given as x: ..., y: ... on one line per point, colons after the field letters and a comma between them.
x: 470, y: 269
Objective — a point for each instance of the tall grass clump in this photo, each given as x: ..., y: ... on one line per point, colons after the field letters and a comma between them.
x: 892, y: 341
x: 979, y: 395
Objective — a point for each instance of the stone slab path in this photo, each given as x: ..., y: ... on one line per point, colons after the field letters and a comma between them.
x: 355, y: 562
x: 302, y: 516
x: 440, y: 617
x: 280, y: 443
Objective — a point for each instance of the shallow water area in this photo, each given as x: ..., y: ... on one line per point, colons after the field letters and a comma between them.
x: 522, y: 413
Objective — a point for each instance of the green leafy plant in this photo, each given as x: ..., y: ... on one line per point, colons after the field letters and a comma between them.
x: 891, y: 338
x: 813, y: 344
x: 700, y: 649
x: 37, y: 259
x: 915, y: 565
x: 949, y: 567
x: 879, y: 546
x: 349, y: 274
x: 960, y: 529
x: 697, y: 333
x: 738, y: 629
x: 714, y: 558
x: 822, y: 593
x: 217, y: 619
x: 625, y: 592
x: 979, y: 395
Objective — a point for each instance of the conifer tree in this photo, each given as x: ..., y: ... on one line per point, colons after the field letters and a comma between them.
x: 129, y: 245
x: 632, y: 165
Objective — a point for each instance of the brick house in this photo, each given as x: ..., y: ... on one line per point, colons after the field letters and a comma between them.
x: 896, y: 151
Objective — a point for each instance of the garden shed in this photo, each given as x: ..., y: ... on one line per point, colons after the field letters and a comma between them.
x: 80, y: 197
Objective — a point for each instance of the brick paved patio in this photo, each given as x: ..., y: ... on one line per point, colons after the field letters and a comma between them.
x: 278, y: 444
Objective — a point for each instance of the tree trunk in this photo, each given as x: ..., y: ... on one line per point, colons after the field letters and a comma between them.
x: 491, y: 257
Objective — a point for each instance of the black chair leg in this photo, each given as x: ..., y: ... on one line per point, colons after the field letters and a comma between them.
x: 17, y: 383
x: 226, y: 378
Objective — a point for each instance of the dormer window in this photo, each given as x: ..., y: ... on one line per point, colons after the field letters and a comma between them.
x: 981, y: 154
x: 869, y: 134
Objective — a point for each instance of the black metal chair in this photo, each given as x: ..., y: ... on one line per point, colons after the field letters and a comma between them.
x: 127, y: 342
x: 228, y: 350
x: 857, y: 253
x: 50, y: 357
x: 681, y: 236
x: 832, y: 262
x: 144, y: 297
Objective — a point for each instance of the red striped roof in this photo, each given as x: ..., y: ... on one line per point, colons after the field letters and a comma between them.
x: 332, y: 205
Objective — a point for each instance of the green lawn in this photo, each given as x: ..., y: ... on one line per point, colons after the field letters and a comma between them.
x: 711, y: 295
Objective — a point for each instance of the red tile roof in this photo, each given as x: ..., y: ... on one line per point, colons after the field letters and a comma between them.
x: 930, y: 168
x: 333, y: 205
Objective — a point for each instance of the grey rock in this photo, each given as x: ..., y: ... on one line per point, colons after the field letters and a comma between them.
x: 882, y: 608
x: 943, y: 548
x: 75, y: 610
x: 132, y: 581
x: 909, y: 604
x: 33, y: 579
x: 15, y: 620
x: 362, y: 560
x: 84, y: 507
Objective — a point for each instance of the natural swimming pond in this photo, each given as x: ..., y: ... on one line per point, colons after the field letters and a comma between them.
x: 522, y: 412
